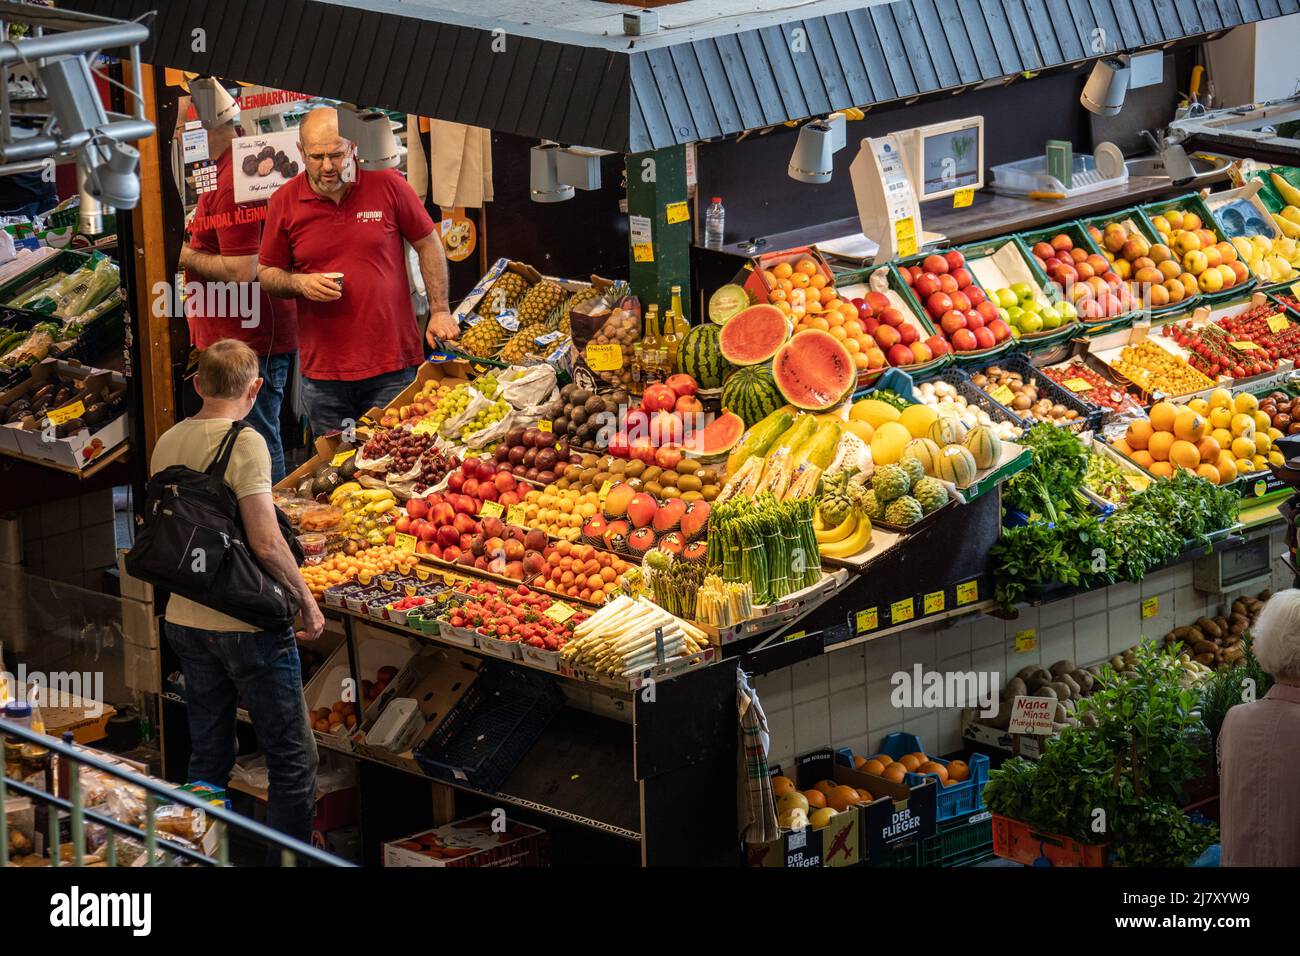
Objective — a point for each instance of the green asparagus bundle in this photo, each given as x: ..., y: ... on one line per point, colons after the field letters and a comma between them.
x: 767, y: 544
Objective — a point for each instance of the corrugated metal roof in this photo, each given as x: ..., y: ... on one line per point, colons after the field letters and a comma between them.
x: 580, y: 83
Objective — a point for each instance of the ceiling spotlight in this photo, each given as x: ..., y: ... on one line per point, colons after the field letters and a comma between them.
x: 812, y: 160
x: 377, y: 146
x: 110, y: 172
x: 213, y: 102
x: 90, y: 214
x: 1107, y: 85
x: 544, y: 179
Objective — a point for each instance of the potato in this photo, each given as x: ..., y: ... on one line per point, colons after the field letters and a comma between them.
x: 1038, y: 681
x: 1208, y: 627
x: 1072, y: 684
x: 1027, y: 672
x: 1063, y: 690
x: 1095, y: 670
x: 1062, y: 667
x: 1084, y: 679
x: 1234, y: 654
x: 1194, y: 634
x: 1046, y: 691
x: 1117, y: 662
x: 1015, y: 688
x: 1204, y: 647
x: 1206, y: 659
x: 1061, y: 715
x: 1069, y: 705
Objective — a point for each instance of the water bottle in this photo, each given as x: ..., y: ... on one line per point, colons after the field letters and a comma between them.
x: 714, y: 218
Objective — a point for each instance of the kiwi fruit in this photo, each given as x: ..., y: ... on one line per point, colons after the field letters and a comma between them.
x: 689, y: 483
x: 687, y: 466
x: 618, y: 467
x: 653, y: 488
x: 709, y: 492
x: 689, y: 496
x: 589, y: 461
x: 635, y: 468
x: 652, y: 473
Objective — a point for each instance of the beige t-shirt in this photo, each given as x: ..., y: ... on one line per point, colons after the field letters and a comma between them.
x: 193, y: 443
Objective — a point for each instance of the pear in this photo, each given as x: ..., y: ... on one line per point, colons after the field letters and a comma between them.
x: 1292, y: 213
x: 1290, y: 195
x: 1288, y: 227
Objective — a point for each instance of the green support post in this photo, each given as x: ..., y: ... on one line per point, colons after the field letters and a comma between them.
x: 656, y: 187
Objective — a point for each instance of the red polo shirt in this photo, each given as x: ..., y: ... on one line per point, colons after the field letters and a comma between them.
x: 371, y: 329
x: 222, y: 227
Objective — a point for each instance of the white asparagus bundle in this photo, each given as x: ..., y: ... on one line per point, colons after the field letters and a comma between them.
x: 620, y: 638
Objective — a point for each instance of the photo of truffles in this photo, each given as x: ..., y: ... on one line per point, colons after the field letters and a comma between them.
x: 268, y: 160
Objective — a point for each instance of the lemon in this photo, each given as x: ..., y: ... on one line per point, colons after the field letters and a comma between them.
x: 1245, y: 402
x: 1200, y: 406
x: 1243, y: 425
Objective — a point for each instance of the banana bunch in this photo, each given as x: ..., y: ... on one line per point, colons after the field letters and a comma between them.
x: 366, y: 511
x: 846, y: 539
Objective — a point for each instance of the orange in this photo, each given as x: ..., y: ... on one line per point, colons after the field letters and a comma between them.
x: 817, y: 281
x: 858, y: 761
x: 1189, y: 426
x: 1209, y: 473
x: 853, y: 327
x: 958, y: 770
x: 1209, y: 449
x: 1163, y: 415
x: 1124, y: 448
x: 841, y: 798
x: 817, y: 322
x: 1160, y: 444
x: 864, y: 796
x: 781, y: 786
x: 800, y: 280
x: 1143, y: 458
x: 919, y: 755
x: 806, y: 266
x: 1227, y: 467
x: 838, y: 332
x: 834, y: 318
x: 1162, y: 469
x: 873, y: 767
x: 1138, y: 434
x: 1184, y: 454
x: 938, y: 769
x: 883, y: 759
x: 910, y: 762
x: 783, y: 270
x: 825, y: 786
x: 816, y: 799
x: 894, y: 772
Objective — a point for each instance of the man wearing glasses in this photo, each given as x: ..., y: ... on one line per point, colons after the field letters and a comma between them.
x: 336, y: 246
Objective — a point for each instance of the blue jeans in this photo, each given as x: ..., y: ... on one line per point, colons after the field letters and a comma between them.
x: 265, y: 413
x: 221, y: 667
x: 331, y: 402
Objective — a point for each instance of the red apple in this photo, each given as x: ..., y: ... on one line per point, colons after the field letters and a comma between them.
x: 894, y: 317
x: 947, y: 284
x: 952, y: 321
x: 900, y: 355
x: 962, y: 277
x: 921, y: 353
x: 961, y: 302
x: 987, y: 310
x: 870, y: 324
x: 1043, y: 250
x: 954, y: 259
x: 973, y: 320
x: 938, y: 304
x: 417, y: 508
x: 402, y: 525
x: 938, y: 345
x: 963, y: 340
x: 907, y: 333
x: 925, y: 286
x: 985, y: 339
x: 429, y: 532
x: 999, y: 330
x: 975, y: 294
x: 936, y: 264
x: 878, y: 301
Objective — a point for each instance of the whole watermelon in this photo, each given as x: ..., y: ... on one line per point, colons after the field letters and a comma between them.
x: 699, y: 356
x: 751, y: 393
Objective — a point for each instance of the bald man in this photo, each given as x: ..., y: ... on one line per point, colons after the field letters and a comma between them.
x: 358, y: 340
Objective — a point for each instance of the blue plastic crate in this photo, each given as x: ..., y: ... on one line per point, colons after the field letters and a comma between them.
x: 959, y: 800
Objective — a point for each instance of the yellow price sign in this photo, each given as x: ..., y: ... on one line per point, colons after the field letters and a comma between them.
x: 67, y: 413
x: 1295, y: 289
x: 901, y: 611
x: 386, y: 584
x: 405, y: 542
x: 1078, y: 384
x: 643, y: 252
x: 1026, y: 641
x: 544, y: 426
x: 422, y: 574
x: 604, y: 491
x: 1002, y: 395
x: 604, y: 358
x: 794, y: 636
x: 963, y: 198
x: 1278, y: 323
x: 867, y: 620
x: 491, y: 509
x: 677, y: 212
x: 338, y: 460
x: 516, y: 515
x: 905, y: 234
x: 1245, y: 346
x: 934, y: 602
x: 1150, y: 607
x: 559, y: 612
x: 968, y: 592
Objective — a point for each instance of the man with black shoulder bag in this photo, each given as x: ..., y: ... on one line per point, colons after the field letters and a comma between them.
x: 213, y: 537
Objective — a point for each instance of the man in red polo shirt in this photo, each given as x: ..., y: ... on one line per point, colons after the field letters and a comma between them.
x: 220, y: 257
x: 358, y: 337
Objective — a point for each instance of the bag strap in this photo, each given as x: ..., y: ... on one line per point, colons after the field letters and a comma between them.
x: 227, y: 448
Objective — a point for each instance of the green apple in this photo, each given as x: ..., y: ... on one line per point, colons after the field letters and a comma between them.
x: 1023, y: 291
x: 1067, y: 311
x: 1013, y: 314
x: 1050, y: 319
x: 1030, y: 323
x: 1006, y: 298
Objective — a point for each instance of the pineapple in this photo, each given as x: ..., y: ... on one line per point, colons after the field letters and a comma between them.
x: 539, y: 302
x: 521, y: 343
x: 504, y: 294
x: 484, y: 339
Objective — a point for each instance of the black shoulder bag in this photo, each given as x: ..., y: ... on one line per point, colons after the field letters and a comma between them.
x: 192, y: 543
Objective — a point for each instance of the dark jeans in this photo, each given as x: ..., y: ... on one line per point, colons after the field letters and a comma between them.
x: 265, y: 413
x: 331, y: 403
x: 262, y: 668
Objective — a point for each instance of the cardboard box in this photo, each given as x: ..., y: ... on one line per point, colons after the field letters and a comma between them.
x: 454, y: 371
x: 375, y: 648
x: 85, y: 446
x: 326, y: 448
x: 489, y: 839
x: 758, y: 286
x: 436, y: 678
x: 837, y: 844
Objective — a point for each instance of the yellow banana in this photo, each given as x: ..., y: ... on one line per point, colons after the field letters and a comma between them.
x: 850, y: 545
x: 1288, y: 228
x: 1288, y: 192
x: 343, y: 490
x: 843, y: 530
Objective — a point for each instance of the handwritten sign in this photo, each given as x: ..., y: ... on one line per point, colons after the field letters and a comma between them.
x: 1032, y: 715
x: 338, y: 460
x: 901, y: 611
x: 517, y: 514
x: 67, y: 413
x: 405, y: 542
x: 1150, y: 607
x: 1278, y: 323
x: 604, y: 357
x: 905, y: 234
x: 1026, y: 641
x: 963, y: 198
x: 559, y: 612
x: 1245, y: 346
x: 968, y: 593
x: 1078, y: 384
x: 1002, y: 395
x: 643, y: 252
x: 544, y: 426
x: 604, y: 491
x: 491, y: 509
x: 867, y: 620
x: 677, y: 212
x: 934, y: 602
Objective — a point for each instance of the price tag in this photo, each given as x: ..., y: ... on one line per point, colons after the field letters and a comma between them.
x: 905, y: 233
x: 544, y: 426
x: 422, y: 574
x: 1278, y: 323
x: 67, y: 413
x: 867, y: 620
x: 604, y: 491
x: 1295, y: 289
x: 794, y: 636
x: 405, y: 542
x: 633, y: 582
x: 386, y: 584
x: 1078, y: 384
x: 423, y: 427
x: 639, y: 230
x: 963, y: 198
x: 677, y: 212
x: 901, y: 611
x: 559, y: 612
x: 604, y: 358
x: 1032, y: 715
x: 1002, y: 395
x: 491, y: 509
x: 1150, y: 607
x: 1245, y: 346
x: 338, y: 460
x: 968, y: 593
x: 517, y: 515
x: 643, y: 252
x: 1026, y: 641
x: 934, y: 602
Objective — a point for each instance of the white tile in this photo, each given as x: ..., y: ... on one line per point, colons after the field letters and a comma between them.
x: 1158, y: 583
x: 1090, y: 602
x: 1181, y: 574
x: 860, y: 745
x: 1124, y: 625
x: 1164, y: 620
x: 1057, y: 643
x: 918, y: 647
x: 1058, y: 612
x: 925, y: 726
x: 848, y: 715
x: 881, y: 711
x: 1026, y: 618
x: 987, y: 631
x: 949, y: 731
x: 992, y: 659
x: 883, y: 657
x: 812, y: 725
x: 774, y: 690
x: 1123, y: 593
x: 1091, y: 643
x: 1189, y: 604
x: 878, y: 735
x: 846, y: 668
x: 780, y: 725
x: 810, y: 679
x: 954, y: 641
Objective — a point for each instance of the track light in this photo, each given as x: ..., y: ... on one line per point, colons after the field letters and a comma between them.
x: 544, y: 178
x: 90, y: 214
x: 1107, y: 85
x: 110, y: 172
x: 372, y: 133
x: 812, y: 160
x: 213, y: 102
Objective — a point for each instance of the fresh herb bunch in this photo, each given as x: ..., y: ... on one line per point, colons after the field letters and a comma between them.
x: 1148, y: 743
x: 890, y: 397
x: 1047, y: 489
x: 1227, y: 688
x: 1042, y: 555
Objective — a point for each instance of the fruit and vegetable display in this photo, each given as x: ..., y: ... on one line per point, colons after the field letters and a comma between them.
x: 1091, y: 387
x: 74, y: 298
x: 1202, y: 252
x: 768, y: 544
x: 23, y: 348
x: 1155, y: 369
x: 1063, y: 682
x: 515, y: 614
x: 1025, y: 398
x: 101, y: 399
x: 1237, y: 346
x: 1081, y: 275
x: 1108, y: 481
x: 625, y: 635
x: 424, y: 404
x: 1219, y: 438
x: 961, y: 312
x: 947, y: 402
x: 815, y: 808
x: 1272, y: 259
x: 901, y: 495
x: 341, y: 568
x: 692, y: 590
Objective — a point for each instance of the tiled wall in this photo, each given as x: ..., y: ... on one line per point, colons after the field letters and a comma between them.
x: 843, y: 698
x: 72, y: 540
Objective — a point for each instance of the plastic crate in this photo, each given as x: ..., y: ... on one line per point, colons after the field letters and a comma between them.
x: 958, y: 801
x: 960, y: 379
x: 897, y: 285
x: 491, y: 728
x: 1021, y: 843
x: 1148, y: 232
x: 959, y: 842
x: 903, y: 855
x: 1089, y: 415
x: 1192, y: 202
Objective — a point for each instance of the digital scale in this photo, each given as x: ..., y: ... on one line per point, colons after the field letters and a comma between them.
x: 894, y: 174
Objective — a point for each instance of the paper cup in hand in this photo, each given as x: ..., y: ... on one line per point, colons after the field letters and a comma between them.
x: 337, y: 278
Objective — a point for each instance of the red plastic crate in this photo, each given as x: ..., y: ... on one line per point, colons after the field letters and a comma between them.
x: 1013, y: 840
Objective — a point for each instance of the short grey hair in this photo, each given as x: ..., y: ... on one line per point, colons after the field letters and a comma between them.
x: 1277, y: 635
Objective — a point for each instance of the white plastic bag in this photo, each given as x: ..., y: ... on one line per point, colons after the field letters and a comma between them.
x: 527, y: 386
x: 451, y: 428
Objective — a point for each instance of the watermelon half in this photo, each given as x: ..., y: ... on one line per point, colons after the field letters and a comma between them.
x: 753, y: 335
x: 814, y: 370
x: 718, y: 437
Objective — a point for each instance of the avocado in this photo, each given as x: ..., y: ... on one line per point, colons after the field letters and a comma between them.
x: 348, y: 469
x: 305, y: 486
x: 327, y: 479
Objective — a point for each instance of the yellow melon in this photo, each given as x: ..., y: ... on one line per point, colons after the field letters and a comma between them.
x: 888, y: 442
x: 874, y: 411
x: 917, y: 419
